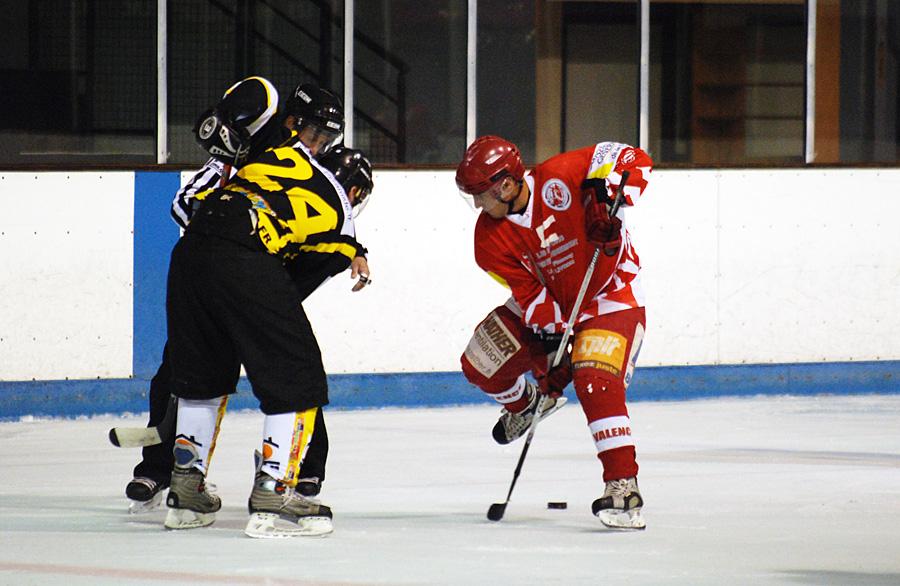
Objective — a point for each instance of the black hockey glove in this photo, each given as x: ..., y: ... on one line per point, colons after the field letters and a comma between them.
x: 550, y: 342
x: 597, y: 187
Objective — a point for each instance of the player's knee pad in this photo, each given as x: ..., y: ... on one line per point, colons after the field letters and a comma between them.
x: 603, y: 362
x: 600, y: 393
x: 598, y: 370
x: 500, y: 351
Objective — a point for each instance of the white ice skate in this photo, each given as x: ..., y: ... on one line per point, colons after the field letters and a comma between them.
x: 188, y: 519
x: 190, y: 500
x: 620, y: 505
x: 271, y: 525
x: 277, y: 510
x: 512, y: 426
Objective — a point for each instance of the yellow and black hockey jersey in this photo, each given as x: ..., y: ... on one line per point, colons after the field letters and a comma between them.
x: 297, y: 211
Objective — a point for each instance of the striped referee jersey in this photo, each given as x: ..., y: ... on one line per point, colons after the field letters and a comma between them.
x: 208, y: 177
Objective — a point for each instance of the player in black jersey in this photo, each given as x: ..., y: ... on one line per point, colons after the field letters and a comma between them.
x: 231, y: 301
x: 245, y: 119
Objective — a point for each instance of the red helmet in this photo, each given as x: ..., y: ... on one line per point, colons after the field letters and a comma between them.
x: 488, y: 160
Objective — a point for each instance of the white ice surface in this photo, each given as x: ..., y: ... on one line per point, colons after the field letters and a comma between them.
x: 738, y: 491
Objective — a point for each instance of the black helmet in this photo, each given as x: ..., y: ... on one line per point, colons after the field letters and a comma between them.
x: 251, y: 102
x: 352, y: 169
x: 317, y: 107
x: 227, y: 131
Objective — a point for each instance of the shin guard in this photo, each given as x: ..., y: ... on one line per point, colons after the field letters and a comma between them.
x: 285, y: 440
x: 197, y: 430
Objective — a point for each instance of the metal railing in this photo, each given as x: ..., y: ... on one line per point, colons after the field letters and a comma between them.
x: 247, y: 33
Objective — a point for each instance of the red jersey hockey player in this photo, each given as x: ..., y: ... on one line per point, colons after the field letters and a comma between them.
x: 536, y: 235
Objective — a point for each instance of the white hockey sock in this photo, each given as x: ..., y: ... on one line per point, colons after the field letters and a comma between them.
x: 513, y: 393
x: 610, y: 433
x: 197, y: 429
x: 285, y: 439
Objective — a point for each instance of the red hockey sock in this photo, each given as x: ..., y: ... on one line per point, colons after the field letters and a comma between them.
x: 618, y: 463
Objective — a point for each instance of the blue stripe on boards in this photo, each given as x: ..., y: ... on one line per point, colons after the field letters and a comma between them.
x: 667, y: 383
x: 436, y: 389
x: 154, y: 235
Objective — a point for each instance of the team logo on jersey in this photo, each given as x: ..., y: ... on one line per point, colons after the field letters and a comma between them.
x: 556, y: 195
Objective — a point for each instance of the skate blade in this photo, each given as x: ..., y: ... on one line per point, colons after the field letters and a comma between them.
x: 616, y: 519
x: 144, y: 507
x: 188, y: 519
x: 271, y: 526
x: 556, y: 407
x: 560, y: 401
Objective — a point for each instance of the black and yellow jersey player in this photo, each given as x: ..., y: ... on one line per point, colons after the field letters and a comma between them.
x: 232, y: 300
x: 297, y: 208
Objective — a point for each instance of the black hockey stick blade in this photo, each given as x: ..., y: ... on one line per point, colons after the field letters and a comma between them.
x: 134, y: 437
x: 496, y: 511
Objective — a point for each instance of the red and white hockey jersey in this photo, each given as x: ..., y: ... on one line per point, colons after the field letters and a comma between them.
x: 542, y: 254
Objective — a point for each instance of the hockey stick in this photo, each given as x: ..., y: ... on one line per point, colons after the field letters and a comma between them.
x: 497, y: 510
x: 141, y: 437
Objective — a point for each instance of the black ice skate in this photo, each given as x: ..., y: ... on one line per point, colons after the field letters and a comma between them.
x: 512, y: 426
x: 277, y: 510
x: 145, y: 494
x: 620, y: 505
x: 309, y: 487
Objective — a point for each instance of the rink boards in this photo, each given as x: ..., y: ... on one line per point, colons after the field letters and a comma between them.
x: 758, y: 281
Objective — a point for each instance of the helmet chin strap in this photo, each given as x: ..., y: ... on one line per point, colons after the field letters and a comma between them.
x: 509, y: 204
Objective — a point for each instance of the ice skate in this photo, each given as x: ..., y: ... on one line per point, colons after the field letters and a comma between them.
x: 144, y: 494
x: 190, y: 502
x: 620, y: 505
x: 309, y: 487
x: 277, y: 510
x: 512, y: 426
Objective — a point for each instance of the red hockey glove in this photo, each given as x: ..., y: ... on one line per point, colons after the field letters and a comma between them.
x: 554, y: 381
x: 602, y: 231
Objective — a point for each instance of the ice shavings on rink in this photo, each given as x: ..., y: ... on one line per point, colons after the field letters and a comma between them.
x: 769, y: 490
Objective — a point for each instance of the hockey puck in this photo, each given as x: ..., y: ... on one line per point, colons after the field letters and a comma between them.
x: 557, y: 505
